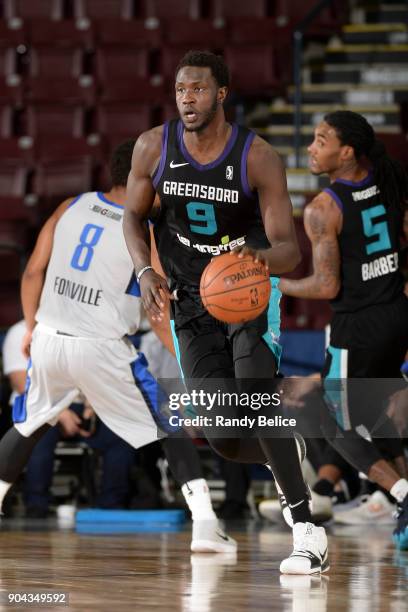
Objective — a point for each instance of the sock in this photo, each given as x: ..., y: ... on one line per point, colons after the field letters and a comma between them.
x: 197, y: 496
x: 4, y: 487
x: 324, y: 487
x: 400, y: 490
x: 301, y: 511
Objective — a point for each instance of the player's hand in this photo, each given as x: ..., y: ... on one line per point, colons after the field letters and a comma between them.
x: 155, y: 294
x: 257, y: 256
x: 26, y: 343
x: 70, y: 423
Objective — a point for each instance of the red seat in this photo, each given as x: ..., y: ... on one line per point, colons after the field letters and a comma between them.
x: 256, y: 30
x: 118, y: 122
x: 55, y: 63
x: 55, y: 120
x: 66, y: 33
x: 239, y: 8
x: 124, y: 76
x: 56, y: 180
x: 10, y: 311
x: 11, y: 36
x: 136, y: 90
x: 296, y: 10
x: 17, y: 150
x: 114, y: 63
x: 11, y: 263
x: 14, y: 230
x: 200, y: 33
x: 56, y: 74
x: 103, y: 9
x: 34, y: 9
x: 49, y: 147
x: 6, y: 122
x: 8, y: 62
x: 252, y: 68
x: 13, y: 179
x: 133, y: 33
x: 171, y: 8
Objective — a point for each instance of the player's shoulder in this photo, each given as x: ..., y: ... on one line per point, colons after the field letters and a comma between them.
x: 150, y: 140
x: 322, y: 214
x: 261, y: 151
x: 321, y: 204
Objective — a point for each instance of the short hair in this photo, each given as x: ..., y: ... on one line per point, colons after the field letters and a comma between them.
x: 121, y: 163
x: 206, y: 59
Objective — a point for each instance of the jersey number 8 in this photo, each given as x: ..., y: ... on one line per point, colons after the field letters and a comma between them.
x: 82, y: 257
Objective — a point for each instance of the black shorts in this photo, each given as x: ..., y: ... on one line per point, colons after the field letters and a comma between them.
x: 369, y: 345
x: 208, y: 348
x: 376, y: 341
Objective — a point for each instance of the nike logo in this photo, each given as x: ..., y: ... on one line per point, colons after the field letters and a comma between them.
x: 296, y: 505
x: 173, y: 165
x: 221, y: 535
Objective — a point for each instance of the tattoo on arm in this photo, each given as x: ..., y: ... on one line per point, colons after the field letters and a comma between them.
x: 324, y: 283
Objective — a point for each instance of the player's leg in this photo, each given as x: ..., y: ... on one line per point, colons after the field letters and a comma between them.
x: 185, y: 465
x: 256, y: 361
x: 39, y: 473
x: 359, y: 452
x: 49, y: 390
x: 125, y: 398
x: 117, y: 460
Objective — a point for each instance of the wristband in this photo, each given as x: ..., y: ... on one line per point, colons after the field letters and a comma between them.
x: 142, y: 271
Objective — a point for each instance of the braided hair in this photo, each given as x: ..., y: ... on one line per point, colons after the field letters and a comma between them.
x: 354, y: 130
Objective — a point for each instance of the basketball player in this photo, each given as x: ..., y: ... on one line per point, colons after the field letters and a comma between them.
x: 80, y: 299
x: 354, y: 226
x: 219, y: 186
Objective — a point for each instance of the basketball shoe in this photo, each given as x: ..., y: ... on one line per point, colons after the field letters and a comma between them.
x: 310, y: 555
x: 208, y: 537
x: 373, y: 508
x: 400, y: 535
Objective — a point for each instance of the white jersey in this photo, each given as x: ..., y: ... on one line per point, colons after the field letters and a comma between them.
x: 90, y: 289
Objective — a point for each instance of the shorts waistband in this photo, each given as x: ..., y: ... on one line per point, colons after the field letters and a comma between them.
x: 52, y: 331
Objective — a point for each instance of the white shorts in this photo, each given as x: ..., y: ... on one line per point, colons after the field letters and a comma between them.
x: 108, y: 372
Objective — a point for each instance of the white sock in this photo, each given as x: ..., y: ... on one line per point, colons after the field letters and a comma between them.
x: 4, y: 487
x: 197, y: 496
x: 400, y: 490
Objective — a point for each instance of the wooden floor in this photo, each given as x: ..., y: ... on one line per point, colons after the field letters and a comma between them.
x: 142, y: 572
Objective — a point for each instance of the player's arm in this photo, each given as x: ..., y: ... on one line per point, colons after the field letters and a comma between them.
x: 34, y: 274
x: 266, y: 174
x: 17, y: 380
x: 140, y: 196
x: 322, y: 220
x: 160, y: 327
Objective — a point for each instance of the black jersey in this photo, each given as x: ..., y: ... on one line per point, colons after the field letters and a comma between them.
x: 205, y: 210
x: 369, y: 246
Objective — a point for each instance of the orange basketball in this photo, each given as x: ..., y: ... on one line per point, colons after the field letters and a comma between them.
x: 235, y: 290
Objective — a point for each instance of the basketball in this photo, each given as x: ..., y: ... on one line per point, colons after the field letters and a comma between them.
x: 235, y: 290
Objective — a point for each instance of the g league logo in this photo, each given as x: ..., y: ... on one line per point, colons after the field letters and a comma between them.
x: 229, y: 173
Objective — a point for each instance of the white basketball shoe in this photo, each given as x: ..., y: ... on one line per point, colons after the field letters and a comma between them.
x: 310, y: 551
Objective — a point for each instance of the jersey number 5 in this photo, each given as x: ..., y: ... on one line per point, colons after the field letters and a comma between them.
x: 82, y: 257
x: 203, y: 213
x: 379, y: 229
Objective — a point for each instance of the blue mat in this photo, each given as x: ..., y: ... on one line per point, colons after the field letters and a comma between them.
x: 128, y: 521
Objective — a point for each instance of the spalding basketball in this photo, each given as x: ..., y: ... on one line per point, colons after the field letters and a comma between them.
x: 235, y: 290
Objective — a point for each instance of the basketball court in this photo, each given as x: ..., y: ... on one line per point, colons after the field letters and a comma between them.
x: 148, y: 571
